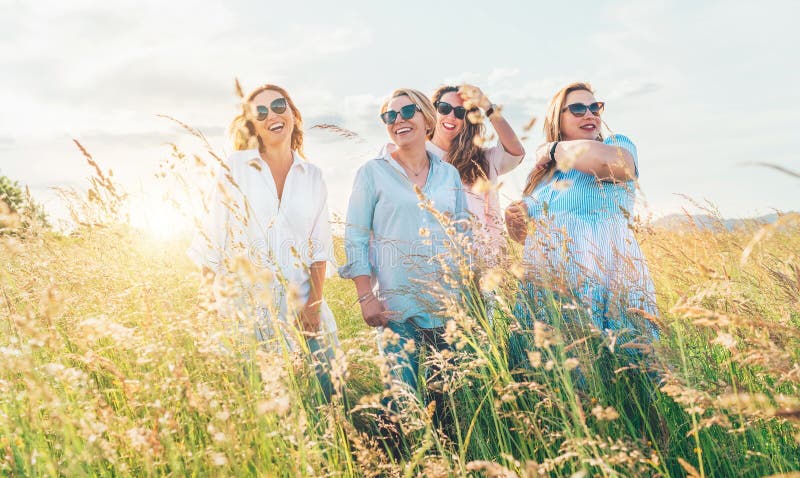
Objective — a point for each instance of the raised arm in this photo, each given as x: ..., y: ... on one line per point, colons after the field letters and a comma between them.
x: 505, y: 133
x: 607, y: 162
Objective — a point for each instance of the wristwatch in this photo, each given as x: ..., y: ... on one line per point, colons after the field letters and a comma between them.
x: 491, y: 109
x: 553, y: 151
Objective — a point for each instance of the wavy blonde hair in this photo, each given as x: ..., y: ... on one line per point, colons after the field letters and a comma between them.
x: 242, y: 131
x: 552, y: 130
x: 425, y: 105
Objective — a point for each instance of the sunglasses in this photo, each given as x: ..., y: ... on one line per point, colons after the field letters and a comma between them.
x: 278, y: 106
x: 407, y: 112
x: 444, y: 109
x: 580, y: 109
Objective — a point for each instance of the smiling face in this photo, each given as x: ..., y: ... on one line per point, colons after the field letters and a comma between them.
x: 584, y: 127
x: 276, y: 128
x: 406, y: 132
x: 448, y: 126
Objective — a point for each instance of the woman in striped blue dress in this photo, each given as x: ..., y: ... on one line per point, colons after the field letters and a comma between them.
x: 574, y: 220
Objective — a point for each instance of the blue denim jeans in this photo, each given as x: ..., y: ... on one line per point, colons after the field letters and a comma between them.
x: 405, y: 365
x: 321, y: 357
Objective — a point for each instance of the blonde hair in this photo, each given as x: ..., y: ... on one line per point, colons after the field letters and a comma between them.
x: 418, y: 98
x: 552, y: 130
x: 242, y: 131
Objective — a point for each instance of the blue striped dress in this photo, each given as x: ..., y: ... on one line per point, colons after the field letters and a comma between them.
x: 582, y: 243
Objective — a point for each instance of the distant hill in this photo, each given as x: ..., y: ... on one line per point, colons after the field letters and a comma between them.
x: 706, y: 221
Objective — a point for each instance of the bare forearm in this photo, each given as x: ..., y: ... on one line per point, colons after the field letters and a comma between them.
x: 505, y: 133
x: 363, y: 285
x: 317, y: 282
x: 604, y: 161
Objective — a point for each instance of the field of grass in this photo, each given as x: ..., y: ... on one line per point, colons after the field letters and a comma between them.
x: 111, y: 364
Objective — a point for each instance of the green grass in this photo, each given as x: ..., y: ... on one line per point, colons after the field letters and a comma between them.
x: 111, y: 364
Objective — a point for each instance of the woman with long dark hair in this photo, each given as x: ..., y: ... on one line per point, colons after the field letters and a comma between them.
x: 458, y: 138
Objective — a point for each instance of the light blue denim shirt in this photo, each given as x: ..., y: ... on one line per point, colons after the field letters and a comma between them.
x: 395, y: 241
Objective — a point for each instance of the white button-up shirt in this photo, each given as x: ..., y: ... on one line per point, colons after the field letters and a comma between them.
x: 245, y: 218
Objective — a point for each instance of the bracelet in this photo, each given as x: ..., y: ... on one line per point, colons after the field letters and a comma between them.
x: 553, y: 151
x: 365, y: 297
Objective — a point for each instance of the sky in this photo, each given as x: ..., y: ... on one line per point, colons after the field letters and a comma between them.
x: 704, y: 89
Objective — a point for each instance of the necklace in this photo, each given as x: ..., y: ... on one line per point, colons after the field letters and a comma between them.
x: 410, y: 170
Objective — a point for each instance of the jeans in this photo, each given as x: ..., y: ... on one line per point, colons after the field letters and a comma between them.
x: 404, y: 365
x: 321, y: 357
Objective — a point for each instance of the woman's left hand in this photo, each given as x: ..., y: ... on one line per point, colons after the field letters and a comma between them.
x: 309, y: 318
x: 474, y: 96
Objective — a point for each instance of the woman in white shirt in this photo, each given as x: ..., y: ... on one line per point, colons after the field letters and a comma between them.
x: 269, y: 212
x: 456, y: 139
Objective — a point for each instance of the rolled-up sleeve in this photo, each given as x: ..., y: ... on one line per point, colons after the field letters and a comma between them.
x: 359, y: 226
x: 501, y: 160
x: 208, y: 246
x: 321, y: 238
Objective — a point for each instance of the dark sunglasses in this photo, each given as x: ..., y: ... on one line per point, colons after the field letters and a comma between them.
x: 278, y: 106
x: 444, y: 109
x: 407, y: 112
x: 580, y: 109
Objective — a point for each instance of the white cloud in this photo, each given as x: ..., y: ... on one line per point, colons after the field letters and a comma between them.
x: 499, y: 76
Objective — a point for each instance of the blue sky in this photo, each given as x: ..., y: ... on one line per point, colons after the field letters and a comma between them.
x: 703, y: 88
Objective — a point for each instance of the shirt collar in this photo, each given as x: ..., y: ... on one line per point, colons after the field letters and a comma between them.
x: 437, y: 151
x: 389, y: 148
x: 296, y: 159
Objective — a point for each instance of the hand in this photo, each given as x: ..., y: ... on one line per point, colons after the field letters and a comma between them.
x: 309, y: 317
x: 543, y: 156
x: 517, y: 221
x: 374, y: 312
x: 473, y: 96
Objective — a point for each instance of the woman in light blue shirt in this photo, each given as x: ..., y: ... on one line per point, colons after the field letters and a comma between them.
x: 578, y: 202
x: 394, y: 243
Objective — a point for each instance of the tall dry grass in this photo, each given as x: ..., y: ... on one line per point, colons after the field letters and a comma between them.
x: 113, y: 361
